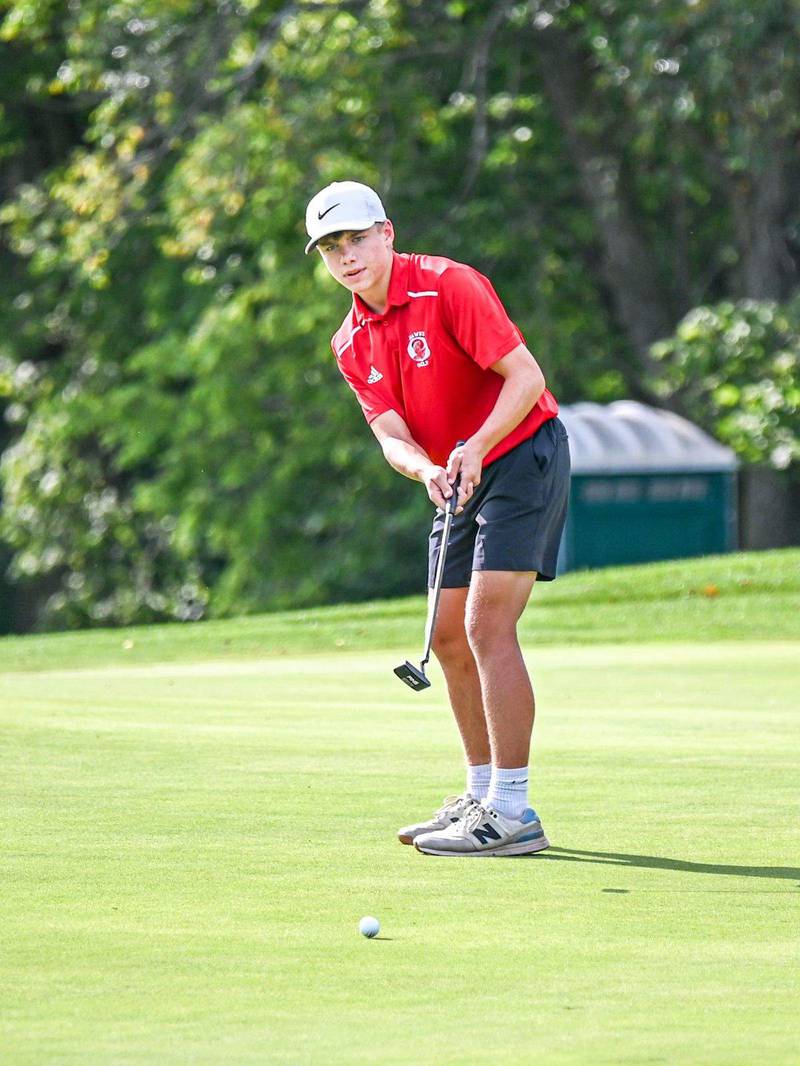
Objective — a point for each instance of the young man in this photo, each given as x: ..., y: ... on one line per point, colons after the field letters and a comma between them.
x: 433, y: 359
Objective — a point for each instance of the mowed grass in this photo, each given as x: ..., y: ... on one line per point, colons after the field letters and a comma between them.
x: 751, y: 596
x: 189, y: 844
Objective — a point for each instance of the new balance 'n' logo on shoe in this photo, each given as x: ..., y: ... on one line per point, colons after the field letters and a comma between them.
x: 485, y: 833
x: 374, y: 375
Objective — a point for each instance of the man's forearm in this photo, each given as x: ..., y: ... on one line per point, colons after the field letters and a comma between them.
x: 406, y: 457
x: 516, y: 399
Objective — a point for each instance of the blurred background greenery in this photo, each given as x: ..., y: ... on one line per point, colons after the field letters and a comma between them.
x: 176, y: 440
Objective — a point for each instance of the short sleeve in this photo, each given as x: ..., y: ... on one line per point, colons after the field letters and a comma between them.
x: 373, y: 403
x: 475, y: 316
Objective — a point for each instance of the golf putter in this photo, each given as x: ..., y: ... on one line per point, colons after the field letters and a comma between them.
x: 414, y: 676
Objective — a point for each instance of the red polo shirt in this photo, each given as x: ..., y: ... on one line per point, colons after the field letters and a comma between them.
x: 427, y: 357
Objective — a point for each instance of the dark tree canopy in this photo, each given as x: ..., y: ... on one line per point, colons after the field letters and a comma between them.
x: 177, y: 440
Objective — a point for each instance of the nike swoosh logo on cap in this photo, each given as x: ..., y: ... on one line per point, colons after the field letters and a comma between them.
x: 322, y: 214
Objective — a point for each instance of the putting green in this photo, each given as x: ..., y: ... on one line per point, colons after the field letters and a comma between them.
x: 188, y: 849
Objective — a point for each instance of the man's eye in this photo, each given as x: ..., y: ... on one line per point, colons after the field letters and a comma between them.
x: 357, y: 239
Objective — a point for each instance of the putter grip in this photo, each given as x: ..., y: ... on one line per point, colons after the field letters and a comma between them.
x: 452, y: 503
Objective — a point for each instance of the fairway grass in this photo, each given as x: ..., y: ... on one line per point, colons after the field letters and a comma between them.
x: 188, y: 848
x: 752, y: 596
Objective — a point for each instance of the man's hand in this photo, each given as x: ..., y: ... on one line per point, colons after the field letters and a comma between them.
x: 467, y: 460
x: 439, y: 488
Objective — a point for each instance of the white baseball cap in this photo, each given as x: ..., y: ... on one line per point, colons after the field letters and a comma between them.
x: 342, y: 205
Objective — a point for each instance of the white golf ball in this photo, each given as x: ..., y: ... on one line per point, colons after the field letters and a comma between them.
x: 369, y: 926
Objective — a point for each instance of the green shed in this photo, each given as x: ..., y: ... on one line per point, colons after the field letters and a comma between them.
x: 646, y: 485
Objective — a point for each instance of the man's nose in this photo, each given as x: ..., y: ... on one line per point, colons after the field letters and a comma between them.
x: 348, y: 252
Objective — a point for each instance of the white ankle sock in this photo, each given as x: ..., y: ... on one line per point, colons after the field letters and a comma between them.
x: 478, y: 778
x: 508, y: 791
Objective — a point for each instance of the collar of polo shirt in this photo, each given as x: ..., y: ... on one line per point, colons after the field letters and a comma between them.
x: 395, y: 297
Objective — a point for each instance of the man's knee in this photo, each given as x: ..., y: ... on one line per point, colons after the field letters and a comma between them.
x: 493, y: 609
x: 450, y: 642
x: 489, y: 630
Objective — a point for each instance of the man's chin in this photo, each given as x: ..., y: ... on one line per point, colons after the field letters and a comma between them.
x: 358, y: 285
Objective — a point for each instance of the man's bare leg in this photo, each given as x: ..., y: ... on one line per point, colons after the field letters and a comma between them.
x: 452, y: 649
x: 504, y: 824
x: 495, y: 601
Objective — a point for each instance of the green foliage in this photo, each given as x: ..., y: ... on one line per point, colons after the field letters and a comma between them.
x: 180, y: 441
x: 735, y: 368
x: 194, y: 450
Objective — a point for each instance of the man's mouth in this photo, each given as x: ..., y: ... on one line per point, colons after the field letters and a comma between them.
x: 354, y: 273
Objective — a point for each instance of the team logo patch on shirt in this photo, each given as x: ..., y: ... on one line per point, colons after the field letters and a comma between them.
x: 374, y: 375
x: 418, y: 348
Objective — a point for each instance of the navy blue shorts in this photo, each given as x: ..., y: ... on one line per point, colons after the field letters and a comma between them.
x: 515, y: 517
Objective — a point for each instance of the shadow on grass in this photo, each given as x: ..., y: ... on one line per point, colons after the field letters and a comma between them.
x: 654, y: 862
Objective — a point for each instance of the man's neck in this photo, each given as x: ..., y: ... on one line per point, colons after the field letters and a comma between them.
x: 378, y: 307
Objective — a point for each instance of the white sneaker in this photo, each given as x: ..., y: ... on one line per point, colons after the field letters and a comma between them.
x: 453, y: 808
x: 485, y: 831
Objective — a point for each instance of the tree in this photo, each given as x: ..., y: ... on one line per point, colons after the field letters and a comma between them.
x: 735, y: 367
x: 181, y: 443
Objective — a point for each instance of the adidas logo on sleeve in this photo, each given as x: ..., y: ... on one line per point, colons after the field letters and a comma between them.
x: 374, y: 375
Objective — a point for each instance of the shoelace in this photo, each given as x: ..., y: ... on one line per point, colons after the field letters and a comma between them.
x: 474, y: 815
x: 449, y: 805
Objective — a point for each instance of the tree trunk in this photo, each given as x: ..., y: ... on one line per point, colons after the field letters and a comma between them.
x: 628, y: 268
x: 761, y: 204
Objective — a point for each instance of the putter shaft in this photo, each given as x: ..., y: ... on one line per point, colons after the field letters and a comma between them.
x: 413, y: 677
x: 449, y: 512
x: 437, y: 582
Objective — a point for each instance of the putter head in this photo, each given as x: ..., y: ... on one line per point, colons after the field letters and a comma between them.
x: 413, y: 677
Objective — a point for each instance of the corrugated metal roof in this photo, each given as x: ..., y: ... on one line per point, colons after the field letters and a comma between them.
x: 627, y: 437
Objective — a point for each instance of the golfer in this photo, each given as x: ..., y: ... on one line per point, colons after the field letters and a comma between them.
x: 434, y: 359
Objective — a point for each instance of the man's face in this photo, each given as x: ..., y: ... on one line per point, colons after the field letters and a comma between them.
x: 362, y: 260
